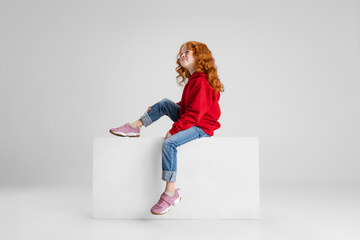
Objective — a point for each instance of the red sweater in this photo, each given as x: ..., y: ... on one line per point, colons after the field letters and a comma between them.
x: 199, y: 106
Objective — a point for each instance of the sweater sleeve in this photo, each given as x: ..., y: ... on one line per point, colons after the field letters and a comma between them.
x: 200, y: 102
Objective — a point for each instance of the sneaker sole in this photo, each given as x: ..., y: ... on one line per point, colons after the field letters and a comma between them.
x: 123, y: 134
x: 168, y: 209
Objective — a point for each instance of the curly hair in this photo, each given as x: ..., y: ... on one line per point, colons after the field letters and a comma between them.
x: 204, y: 63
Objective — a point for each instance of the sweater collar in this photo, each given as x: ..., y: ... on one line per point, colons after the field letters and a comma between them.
x: 198, y: 74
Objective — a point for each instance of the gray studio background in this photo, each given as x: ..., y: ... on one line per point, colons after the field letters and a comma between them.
x: 70, y: 70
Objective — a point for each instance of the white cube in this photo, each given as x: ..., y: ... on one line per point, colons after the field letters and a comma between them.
x: 218, y: 178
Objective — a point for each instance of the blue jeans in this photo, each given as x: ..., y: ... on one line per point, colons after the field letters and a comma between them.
x: 169, y: 151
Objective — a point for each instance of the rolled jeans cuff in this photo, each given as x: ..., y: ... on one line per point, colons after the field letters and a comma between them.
x: 169, y: 176
x: 146, y: 120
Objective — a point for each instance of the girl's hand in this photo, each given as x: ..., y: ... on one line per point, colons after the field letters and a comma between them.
x: 149, y: 108
x: 167, y: 135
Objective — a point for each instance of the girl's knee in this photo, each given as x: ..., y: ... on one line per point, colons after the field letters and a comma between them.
x: 168, y: 144
x: 165, y: 144
x: 165, y: 101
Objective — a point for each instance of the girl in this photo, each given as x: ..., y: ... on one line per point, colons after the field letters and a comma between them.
x: 195, y: 116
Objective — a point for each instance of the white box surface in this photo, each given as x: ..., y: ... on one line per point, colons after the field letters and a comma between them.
x: 218, y: 178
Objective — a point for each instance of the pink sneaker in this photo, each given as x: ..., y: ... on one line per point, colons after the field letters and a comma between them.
x: 166, y: 203
x: 126, y: 131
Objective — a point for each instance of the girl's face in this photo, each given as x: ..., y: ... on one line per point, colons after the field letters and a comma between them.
x: 187, y: 59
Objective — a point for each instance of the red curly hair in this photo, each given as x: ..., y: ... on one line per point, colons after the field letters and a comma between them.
x: 204, y: 63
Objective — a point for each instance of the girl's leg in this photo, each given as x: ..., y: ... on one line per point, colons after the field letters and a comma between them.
x: 161, y: 108
x: 137, y: 123
x: 169, y: 152
x: 170, y: 187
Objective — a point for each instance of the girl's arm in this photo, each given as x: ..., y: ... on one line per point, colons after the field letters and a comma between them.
x: 201, y: 99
